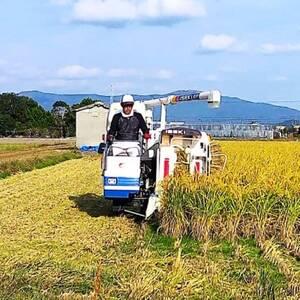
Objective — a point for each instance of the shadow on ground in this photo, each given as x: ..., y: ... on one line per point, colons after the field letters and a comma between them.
x: 94, y: 205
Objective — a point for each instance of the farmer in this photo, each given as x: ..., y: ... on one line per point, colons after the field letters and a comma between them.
x: 125, y: 126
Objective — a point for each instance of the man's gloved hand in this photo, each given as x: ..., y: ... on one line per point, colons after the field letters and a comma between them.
x: 109, y: 139
x: 147, y: 136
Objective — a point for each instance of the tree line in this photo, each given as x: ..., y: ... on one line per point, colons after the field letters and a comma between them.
x: 22, y: 116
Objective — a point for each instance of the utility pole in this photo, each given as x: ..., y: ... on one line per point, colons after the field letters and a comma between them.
x: 111, y: 94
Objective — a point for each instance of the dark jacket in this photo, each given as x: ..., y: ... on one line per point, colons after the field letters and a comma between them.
x: 127, y: 128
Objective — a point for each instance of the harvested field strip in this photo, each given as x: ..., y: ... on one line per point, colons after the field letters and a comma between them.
x: 57, y: 240
x: 16, y: 147
x: 8, y: 168
x: 46, y: 242
x: 31, y: 150
x: 37, y: 141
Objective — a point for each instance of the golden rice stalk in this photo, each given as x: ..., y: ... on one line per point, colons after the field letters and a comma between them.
x: 293, y: 245
x: 273, y: 253
x: 219, y: 159
x: 178, y: 262
x: 201, y: 227
x: 75, y: 296
x: 294, y: 289
x: 97, y: 283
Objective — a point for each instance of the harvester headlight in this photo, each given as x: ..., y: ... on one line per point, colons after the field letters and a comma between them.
x: 112, y: 181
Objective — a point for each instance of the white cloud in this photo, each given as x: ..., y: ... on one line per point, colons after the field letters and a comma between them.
x: 2, y: 62
x: 20, y: 71
x: 146, y: 74
x: 171, y: 8
x: 280, y: 78
x: 3, y: 80
x: 211, y: 77
x: 55, y: 83
x: 94, y: 11
x: 61, y: 2
x: 217, y: 42
x: 67, y: 85
x: 110, y: 12
x: 164, y: 74
x: 119, y: 72
x: 228, y: 69
x: 270, y: 48
x: 211, y: 43
x: 78, y: 72
x: 123, y: 87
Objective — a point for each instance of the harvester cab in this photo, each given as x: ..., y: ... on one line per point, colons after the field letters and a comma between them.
x: 133, y: 170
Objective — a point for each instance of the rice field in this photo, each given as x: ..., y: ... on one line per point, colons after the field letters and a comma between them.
x: 234, y: 235
x: 257, y: 196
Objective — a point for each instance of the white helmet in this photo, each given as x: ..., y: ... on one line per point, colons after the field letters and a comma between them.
x: 127, y: 99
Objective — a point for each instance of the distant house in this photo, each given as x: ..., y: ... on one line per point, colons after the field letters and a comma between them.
x: 280, y: 131
x: 296, y: 131
x: 281, y: 127
x: 91, y: 124
x: 296, y: 128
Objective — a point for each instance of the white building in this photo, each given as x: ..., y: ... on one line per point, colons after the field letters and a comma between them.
x: 91, y: 125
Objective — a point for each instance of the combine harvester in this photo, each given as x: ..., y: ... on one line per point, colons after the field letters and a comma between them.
x: 132, y: 171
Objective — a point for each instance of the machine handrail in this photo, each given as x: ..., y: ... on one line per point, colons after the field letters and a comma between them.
x: 126, y: 150
x: 189, y: 139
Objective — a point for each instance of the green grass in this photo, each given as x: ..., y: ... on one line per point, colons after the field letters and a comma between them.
x: 249, y: 265
x: 164, y: 245
x: 4, y: 174
x: 12, y: 167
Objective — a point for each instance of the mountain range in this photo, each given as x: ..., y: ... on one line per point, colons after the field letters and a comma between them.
x: 232, y: 109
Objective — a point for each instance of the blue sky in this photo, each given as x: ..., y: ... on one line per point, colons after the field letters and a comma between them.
x: 245, y: 48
